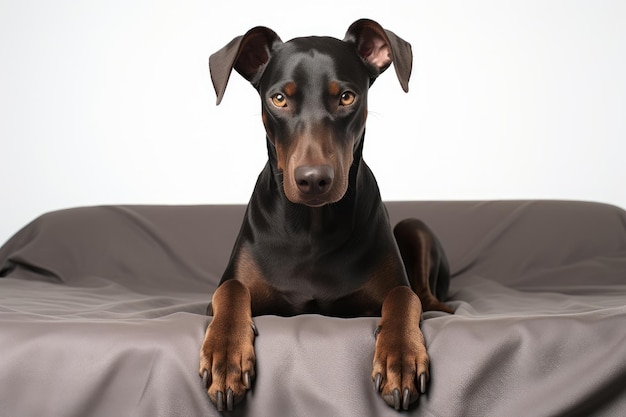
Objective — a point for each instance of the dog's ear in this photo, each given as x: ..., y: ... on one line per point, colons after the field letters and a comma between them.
x: 248, y: 54
x: 379, y: 47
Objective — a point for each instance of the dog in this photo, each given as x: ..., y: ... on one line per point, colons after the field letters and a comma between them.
x: 316, y: 236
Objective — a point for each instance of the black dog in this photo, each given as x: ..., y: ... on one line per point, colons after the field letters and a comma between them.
x: 316, y: 236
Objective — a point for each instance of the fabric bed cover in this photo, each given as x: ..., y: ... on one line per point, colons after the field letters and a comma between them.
x: 102, y: 314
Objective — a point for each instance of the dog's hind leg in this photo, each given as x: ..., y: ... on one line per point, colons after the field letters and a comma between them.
x: 425, y: 262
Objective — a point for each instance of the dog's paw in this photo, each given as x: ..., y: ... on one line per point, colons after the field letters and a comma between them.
x: 227, y: 362
x: 400, y: 365
x: 432, y: 304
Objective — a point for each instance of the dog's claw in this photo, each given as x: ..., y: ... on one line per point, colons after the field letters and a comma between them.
x: 205, y: 378
x: 220, y: 401
x: 254, y: 329
x: 229, y: 399
x: 396, y: 399
x: 377, y: 382
x: 423, y: 383
x: 378, y: 328
x: 246, y: 380
x: 405, y: 399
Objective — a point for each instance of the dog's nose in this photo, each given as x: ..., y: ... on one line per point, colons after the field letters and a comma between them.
x: 314, y: 180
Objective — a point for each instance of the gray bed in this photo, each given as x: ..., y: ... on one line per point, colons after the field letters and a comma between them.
x: 101, y: 314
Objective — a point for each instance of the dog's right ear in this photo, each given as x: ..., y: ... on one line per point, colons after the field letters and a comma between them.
x: 248, y: 54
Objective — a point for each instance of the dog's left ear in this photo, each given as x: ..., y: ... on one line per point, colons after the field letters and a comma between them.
x: 379, y: 47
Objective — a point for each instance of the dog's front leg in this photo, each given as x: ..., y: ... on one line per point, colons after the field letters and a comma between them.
x: 400, y: 361
x: 227, y: 355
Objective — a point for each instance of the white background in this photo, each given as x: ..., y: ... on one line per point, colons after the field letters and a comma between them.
x: 109, y: 102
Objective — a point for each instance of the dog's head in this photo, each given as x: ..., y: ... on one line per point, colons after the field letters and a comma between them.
x: 314, y: 99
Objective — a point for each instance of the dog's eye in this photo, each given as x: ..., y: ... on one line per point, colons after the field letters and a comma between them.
x: 279, y: 100
x: 347, y: 98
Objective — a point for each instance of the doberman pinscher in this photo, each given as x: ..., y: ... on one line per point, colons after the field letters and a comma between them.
x: 316, y: 236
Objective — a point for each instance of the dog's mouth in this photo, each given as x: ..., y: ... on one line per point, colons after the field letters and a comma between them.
x: 315, y: 202
x: 331, y: 196
x: 310, y: 201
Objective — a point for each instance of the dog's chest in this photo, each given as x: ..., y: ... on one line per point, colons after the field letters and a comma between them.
x: 315, y: 281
